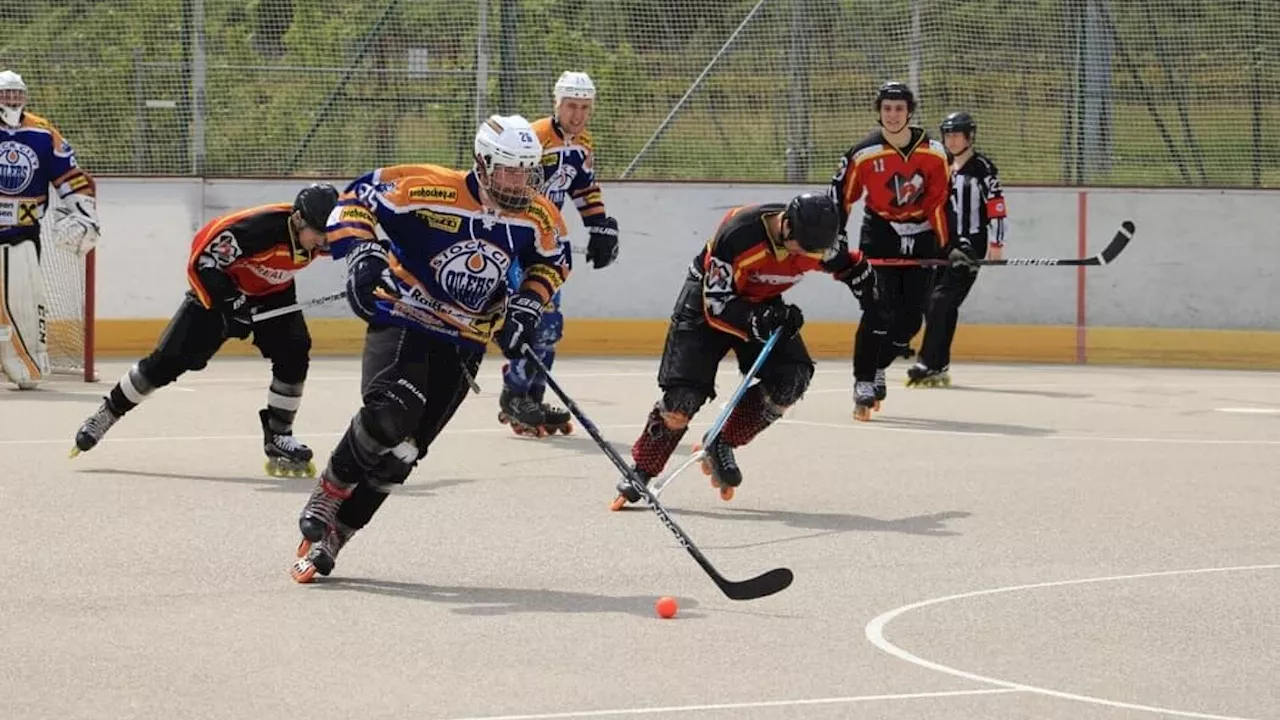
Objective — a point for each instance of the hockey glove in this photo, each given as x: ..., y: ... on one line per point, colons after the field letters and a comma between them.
x: 237, y: 316
x: 775, y: 316
x: 602, y: 247
x: 75, y: 223
x: 962, y: 256
x: 523, y: 312
x: 369, y: 280
x: 860, y: 277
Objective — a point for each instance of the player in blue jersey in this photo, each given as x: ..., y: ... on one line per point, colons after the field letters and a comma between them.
x: 568, y: 169
x: 432, y: 286
x: 33, y: 157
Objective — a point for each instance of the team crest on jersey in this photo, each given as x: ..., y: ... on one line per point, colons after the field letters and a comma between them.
x: 224, y: 250
x: 18, y: 166
x: 470, y: 271
x: 906, y: 190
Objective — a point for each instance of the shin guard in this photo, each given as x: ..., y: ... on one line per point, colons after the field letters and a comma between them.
x: 658, y: 440
x: 754, y: 413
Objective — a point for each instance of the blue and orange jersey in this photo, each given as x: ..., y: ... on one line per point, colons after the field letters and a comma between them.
x: 449, y: 254
x: 33, y: 157
x: 568, y: 170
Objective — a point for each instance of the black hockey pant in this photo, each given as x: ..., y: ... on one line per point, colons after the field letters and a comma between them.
x: 412, y: 383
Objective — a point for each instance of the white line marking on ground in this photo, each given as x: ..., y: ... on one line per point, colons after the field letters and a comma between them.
x: 863, y: 427
x: 742, y: 705
x: 875, y: 634
x: 203, y: 438
x: 1249, y: 410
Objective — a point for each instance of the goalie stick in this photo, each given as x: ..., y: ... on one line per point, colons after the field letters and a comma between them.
x: 771, y: 582
x: 1106, y: 257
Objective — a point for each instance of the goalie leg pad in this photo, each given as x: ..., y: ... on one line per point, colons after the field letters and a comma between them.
x: 24, y: 357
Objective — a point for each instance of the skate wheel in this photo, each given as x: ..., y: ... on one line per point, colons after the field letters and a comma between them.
x: 502, y: 418
x: 726, y: 493
x: 302, y: 572
x: 304, y: 547
x: 617, y: 504
x: 862, y: 414
x: 566, y: 429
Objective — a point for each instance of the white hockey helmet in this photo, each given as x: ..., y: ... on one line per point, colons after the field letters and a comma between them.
x: 13, y: 97
x: 508, y: 141
x: 577, y: 85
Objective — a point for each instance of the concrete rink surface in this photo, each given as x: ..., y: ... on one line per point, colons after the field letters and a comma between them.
x: 1069, y: 543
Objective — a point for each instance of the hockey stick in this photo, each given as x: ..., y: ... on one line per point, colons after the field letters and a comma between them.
x: 1107, y: 256
x: 5, y: 333
x: 771, y: 582
x: 259, y: 317
x: 718, y: 425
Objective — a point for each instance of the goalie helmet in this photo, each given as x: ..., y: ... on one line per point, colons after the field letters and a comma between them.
x: 575, y: 85
x: 316, y: 202
x: 814, y: 221
x: 13, y: 97
x: 508, y: 161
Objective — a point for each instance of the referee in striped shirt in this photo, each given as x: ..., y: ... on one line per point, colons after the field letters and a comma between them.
x: 977, y: 222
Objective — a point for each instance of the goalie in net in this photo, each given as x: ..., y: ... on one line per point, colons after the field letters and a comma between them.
x: 34, y: 157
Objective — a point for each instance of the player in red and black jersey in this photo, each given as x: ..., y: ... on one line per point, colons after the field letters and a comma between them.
x: 904, y: 178
x: 732, y: 300
x: 240, y: 264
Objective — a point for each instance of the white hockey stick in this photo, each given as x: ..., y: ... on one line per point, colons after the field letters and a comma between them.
x: 259, y: 317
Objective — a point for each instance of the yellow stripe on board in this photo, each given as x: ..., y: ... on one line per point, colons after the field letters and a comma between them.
x: 826, y: 340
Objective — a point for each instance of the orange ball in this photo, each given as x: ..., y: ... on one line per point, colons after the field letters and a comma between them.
x: 666, y: 607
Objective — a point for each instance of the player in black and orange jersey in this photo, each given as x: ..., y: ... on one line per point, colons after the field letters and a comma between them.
x: 905, y: 178
x: 732, y: 300
x: 240, y: 264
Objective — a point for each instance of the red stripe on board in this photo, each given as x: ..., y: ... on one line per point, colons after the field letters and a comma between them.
x: 1082, y: 250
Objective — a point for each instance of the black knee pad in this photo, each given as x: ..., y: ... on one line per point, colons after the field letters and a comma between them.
x: 394, y: 468
x: 293, y: 368
x: 788, y: 384
x: 391, y: 414
x: 683, y: 401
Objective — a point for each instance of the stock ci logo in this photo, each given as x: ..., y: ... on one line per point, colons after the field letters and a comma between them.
x: 470, y: 271
x: 18, y: 165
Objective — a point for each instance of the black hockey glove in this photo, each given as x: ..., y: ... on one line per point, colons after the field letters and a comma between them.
x: 369, y: 280
x: 523, y: 312
x: 237, y: 316
x: 602, y: 247
x: 861, y: 279
x: 963, y: 257
x: 775, y: 316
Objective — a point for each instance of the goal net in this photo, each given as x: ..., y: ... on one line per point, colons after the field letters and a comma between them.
x: 69, y: 305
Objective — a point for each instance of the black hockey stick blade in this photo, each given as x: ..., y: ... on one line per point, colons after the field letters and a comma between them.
x: 771, y: 582
x: 1108, y: 255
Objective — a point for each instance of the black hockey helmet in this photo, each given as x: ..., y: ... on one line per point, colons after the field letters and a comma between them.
x: 959, y: 122
x: 315, y: 202
x: 814, y: 221
x: 894, y: 90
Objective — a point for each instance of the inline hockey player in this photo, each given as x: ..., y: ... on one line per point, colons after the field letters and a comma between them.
x: 976, y: 217
x: 240, y: 264
x: 568, y: 166
x: 732, y: 300
x: 432, y: 293
x: 34, y: 157
x: 905, y: 177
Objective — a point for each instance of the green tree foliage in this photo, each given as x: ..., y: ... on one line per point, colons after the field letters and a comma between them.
x: 295, y: 88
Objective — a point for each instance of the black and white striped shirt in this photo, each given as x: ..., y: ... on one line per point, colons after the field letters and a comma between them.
x: 977, y: 208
